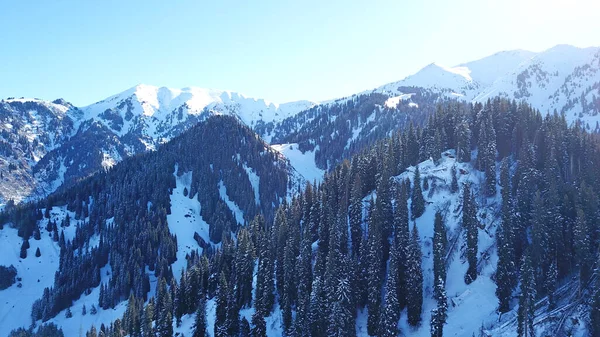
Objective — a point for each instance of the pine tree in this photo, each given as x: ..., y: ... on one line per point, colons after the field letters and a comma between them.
x: 490, y: 166
x: 454, y: 183
x: 244, y: 328
x: 595, y: 314
x: 304, y: 269
x: 118, y: 328
x: 427, y: 142
x: 391, y: 308
x: 355, y: 215
x: 83, y: 310
x: 412, y: 146
x: 265, y: 287
x: 37, y: 252
x: 375, y: 258
x: 68, y: 313
x: 232, y: 320
x: 131, y: 321
x: 540, y: 249
x: 463, y: 144
x: 385, y: 211
x: 200, y: 325
x: 486, y: 157
x: 164, y: 310
x: 506, y: 274
x: 341, y: 317
x: 401, y: 238
x: 439, y: 314
x: 221, y: 311
x: 181, y: 299
x: 24, y: 247
x: 415, y: 279
x: 582, y: 246
x: 318, y: 306
x: 526, y: 311
x: 259, y: 326
x: 148, y: 317
x: 550, y: 283
x: 341, y: 321
x: 92, y: 332
x: 244, y: 267
x: 288, y: 297
x: 439, y: 248
x: 417, y: 205
x: 93, y: 310
x: 280, y: 230
x: 439, y: 145
x: 470, y: 224
x: 362, y: 274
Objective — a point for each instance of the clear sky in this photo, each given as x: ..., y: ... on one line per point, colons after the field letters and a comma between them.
x: 279, y: 50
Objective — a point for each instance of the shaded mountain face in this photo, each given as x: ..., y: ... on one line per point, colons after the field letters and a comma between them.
x: 29, y: 130
x: 80, y: 141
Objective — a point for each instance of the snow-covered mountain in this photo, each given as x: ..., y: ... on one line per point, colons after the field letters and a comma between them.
x: 555, y: 79
x: 45, y: 144
x: 563, y: 78
x: 156, y: 114
x: 56, y: 142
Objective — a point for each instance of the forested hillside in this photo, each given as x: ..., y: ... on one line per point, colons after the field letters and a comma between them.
x: 120, y: 216
x: 339, y: 129
x: 483, y: 221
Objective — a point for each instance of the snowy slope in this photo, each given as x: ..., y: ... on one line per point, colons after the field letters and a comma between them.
x: 438, y: 77
x: 80, y: 323
x: 29, y: 129
x: 36, y: 273
x: 550, y: 78
x: 303, y: 163
x: 553, y: 79
x: 184, y: 221
x: 488, y: 69
x: 477, y: 300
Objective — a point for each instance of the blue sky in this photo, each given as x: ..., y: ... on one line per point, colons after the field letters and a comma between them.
x: 85, y: 51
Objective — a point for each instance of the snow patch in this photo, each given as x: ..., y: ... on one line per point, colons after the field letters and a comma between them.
x: 393, y: 102
x: 254, y: 181
x: 237, y: 212
x: 304, y: 163
x: 185, y: 220
x: 36, y: 273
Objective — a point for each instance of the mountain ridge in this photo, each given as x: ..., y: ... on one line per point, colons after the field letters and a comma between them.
x: 563, y: 78
x: 551, y: 69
